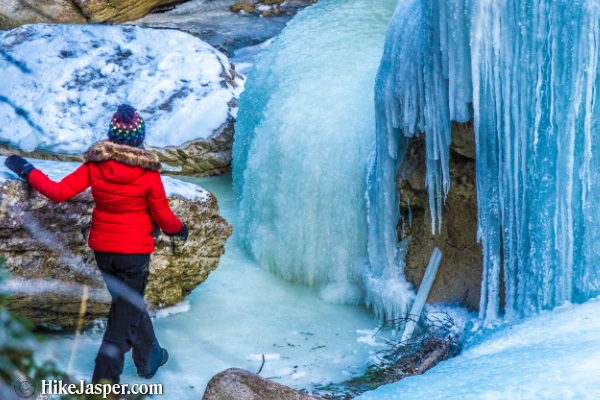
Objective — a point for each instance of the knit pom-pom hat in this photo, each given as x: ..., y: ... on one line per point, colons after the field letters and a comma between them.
x: 127, y: 127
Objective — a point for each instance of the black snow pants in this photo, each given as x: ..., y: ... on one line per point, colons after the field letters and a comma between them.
x: 129, y: 325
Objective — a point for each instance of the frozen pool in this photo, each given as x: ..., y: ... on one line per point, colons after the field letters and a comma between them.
x: 240, y: 313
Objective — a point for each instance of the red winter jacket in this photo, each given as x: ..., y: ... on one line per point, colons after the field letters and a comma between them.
x: 128, y: 193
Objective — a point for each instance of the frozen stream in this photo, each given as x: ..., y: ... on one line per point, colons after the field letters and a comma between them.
x: 211, y: 21
x: 241, y: 312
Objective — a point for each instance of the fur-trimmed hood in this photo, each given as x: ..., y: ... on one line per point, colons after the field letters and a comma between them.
x: 128, y: 155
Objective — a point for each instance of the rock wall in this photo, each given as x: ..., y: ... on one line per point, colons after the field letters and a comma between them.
x: 459, y: 275
x: 45, y: 246
x: 14, y: 13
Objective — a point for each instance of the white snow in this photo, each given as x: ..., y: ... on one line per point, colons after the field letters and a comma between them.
x: 79, y: 74
x: 554, y: 355
x: 182, y: 307
x: 56, y: 170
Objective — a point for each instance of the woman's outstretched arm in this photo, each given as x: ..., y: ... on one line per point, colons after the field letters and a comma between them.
x: 70, y: 186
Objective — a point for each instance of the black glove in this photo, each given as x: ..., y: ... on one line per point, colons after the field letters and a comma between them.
x: 19, y: 166
x: 184, y: 233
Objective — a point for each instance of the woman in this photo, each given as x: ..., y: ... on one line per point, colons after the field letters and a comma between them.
x: 130, y: 199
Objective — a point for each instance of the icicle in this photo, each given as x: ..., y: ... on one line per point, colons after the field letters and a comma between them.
x: 412, y: 95
x: 419, y: 303
x: 533, y: 93
x: 530, y: 70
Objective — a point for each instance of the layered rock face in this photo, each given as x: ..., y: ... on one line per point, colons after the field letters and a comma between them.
x: 45, y: 247
x: 459, y: 275
x: 238, y: 384
x: 14, y: 13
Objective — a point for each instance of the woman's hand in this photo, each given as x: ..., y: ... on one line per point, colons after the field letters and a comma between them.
x: 184, y: 233
x: 19, y: 166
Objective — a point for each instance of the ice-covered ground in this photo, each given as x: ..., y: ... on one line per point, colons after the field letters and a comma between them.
x: 71, y: 78
x: 554, y: 355
x: 212, y: 21
x: 241, y: 312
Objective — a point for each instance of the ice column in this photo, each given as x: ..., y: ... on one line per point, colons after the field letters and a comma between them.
x: 535, y: 79
x: 303, y: 137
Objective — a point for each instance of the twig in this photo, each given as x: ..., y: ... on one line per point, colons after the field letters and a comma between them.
x: 262, y: 365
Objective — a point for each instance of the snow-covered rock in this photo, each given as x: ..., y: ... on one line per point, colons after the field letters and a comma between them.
x: 45, y: 247
x: 68, y: 79
x: 14, y: 13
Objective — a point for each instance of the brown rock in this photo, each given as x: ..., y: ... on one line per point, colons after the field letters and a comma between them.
x: 14, y: 13
x: 201, y: 157
x: 244, y: 6
x: 45, y: 246
x: 117, y: 11
x: 463, y: 139
x: 459, y: 275
x: 238, y: 384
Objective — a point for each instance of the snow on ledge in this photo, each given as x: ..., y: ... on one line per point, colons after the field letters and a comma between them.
x: 56, y: 170
x: 74, y: 76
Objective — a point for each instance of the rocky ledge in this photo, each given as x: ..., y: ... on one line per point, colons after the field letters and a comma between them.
x: 45, y: 248
x: 459, y: 275
x: 14, y: 13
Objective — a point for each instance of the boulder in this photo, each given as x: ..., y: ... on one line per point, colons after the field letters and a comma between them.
x: 67, y: 81
x: 459, y: 275
x: 14, y: 13
x: 45, y: 247
x: 238, y: 384
x: 244, y: 6
x: 271, y: 8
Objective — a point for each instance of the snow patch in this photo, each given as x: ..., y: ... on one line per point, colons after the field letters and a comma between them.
x: 76, y: 75
x: 553, y: 355
x: 182, y: 307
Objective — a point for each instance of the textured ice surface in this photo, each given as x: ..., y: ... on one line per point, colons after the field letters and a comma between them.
x: 57, y: 170
x: 303, y: 138
x: 76, y: 75
x: 531, y: 71
x: 537, y: 121
x: 212, y: 22
x: 241, y: 312
x: 554, y: 355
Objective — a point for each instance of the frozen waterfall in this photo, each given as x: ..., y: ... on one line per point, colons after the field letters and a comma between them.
x: 530, y: 71
x: 303, y: 136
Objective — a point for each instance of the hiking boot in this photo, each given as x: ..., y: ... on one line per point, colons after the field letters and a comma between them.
x: 146, y: 374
